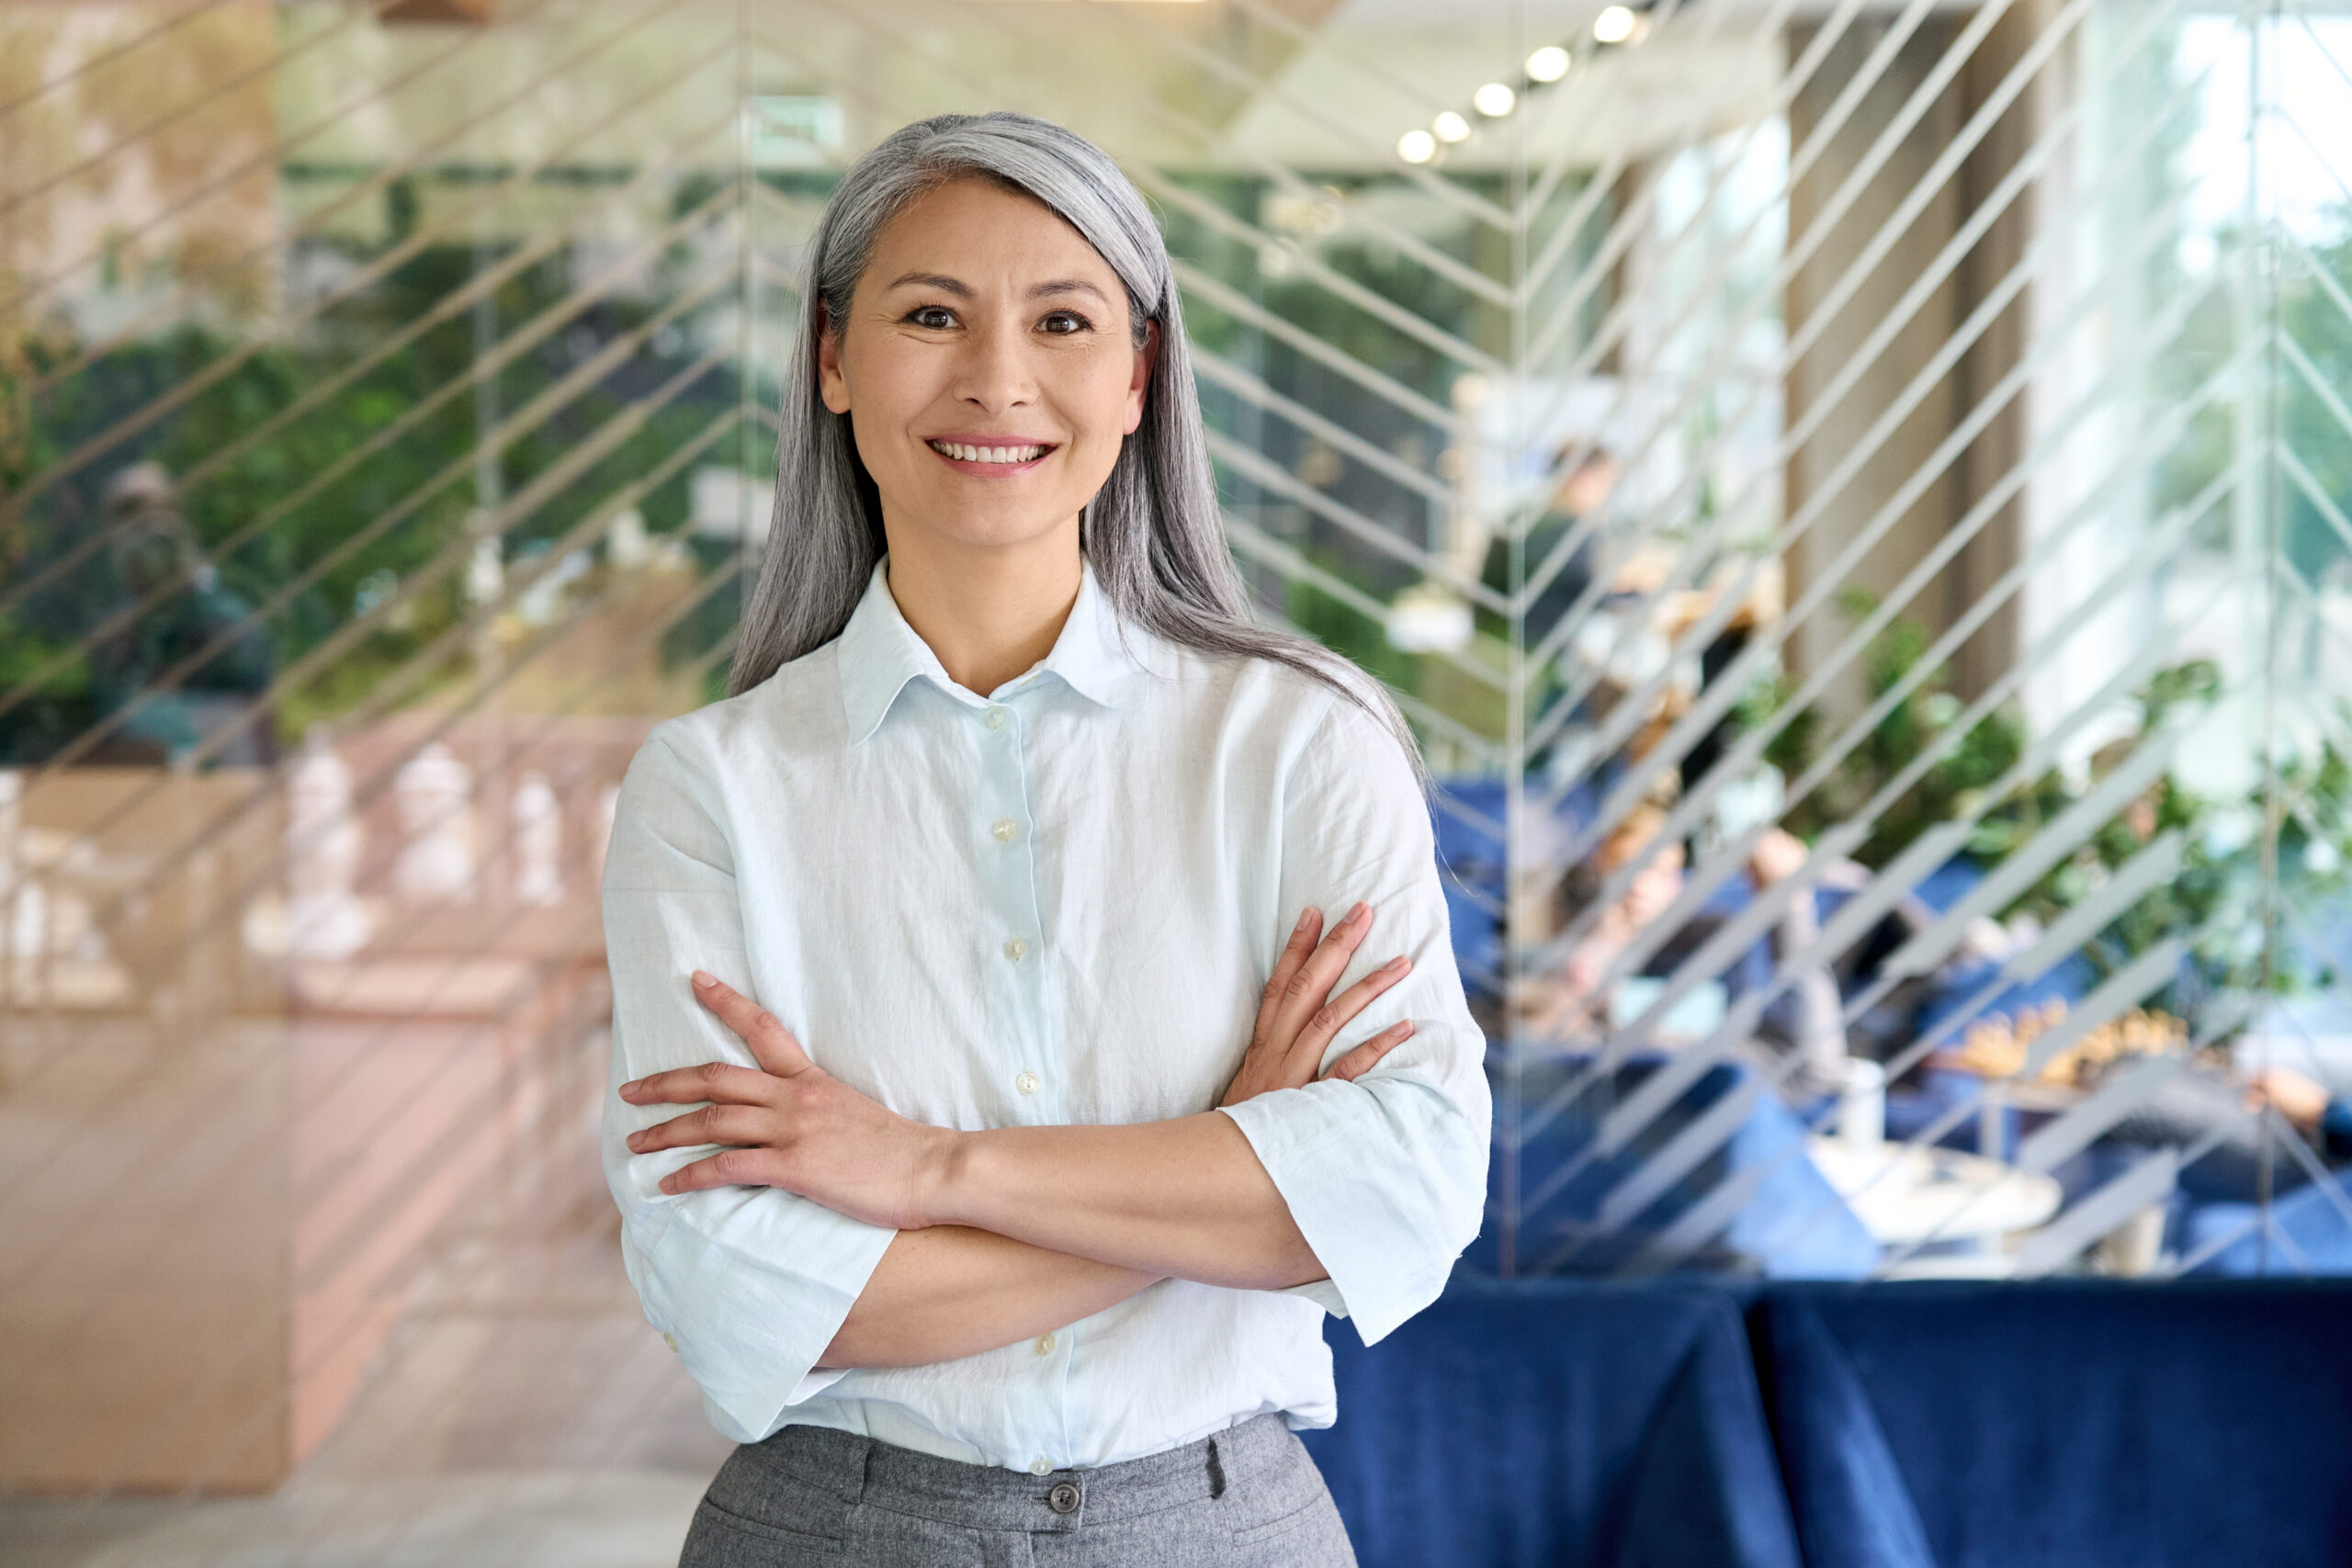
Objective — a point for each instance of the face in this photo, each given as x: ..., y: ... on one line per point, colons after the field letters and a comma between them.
x: 987, y: 364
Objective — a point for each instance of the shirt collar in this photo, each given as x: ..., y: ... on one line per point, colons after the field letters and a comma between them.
x: 1097, y: 655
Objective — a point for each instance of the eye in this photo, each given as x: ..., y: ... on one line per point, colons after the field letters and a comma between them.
x: 1064, y: 324
x: 932, y: 318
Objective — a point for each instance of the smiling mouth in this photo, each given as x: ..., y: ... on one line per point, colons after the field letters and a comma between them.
x: 964, y: 452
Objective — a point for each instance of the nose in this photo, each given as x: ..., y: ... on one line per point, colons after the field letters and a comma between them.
x: 995, y: 374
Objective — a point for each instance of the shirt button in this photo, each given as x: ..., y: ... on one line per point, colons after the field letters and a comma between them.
x: 1039, y: 1467
x: 671, y: 1341
x: 1004, y: 829
x: 1045, y: 1344
x: 1063, y: 1499
x: 1026, y: 1083
x: 996, y: 718
x: 1016, y: 950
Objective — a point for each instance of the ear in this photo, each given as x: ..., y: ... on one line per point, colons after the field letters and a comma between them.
x: 831, y: 385
x: 1146, y: 357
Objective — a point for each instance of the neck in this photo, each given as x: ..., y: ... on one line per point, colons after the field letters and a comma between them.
x: 991, y: 614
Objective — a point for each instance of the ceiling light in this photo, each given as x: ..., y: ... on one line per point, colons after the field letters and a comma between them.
x: 1494, y: 100
x: 1549, y: 64
x: 1615, y: 25
x: 1416, y: 147
x: 1451, y: 127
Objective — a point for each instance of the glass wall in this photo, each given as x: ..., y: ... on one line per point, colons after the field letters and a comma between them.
x: 1856, y: 499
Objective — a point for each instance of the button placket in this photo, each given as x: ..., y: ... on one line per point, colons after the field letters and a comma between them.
x: 1009, y: 874
x: 1016, y: 976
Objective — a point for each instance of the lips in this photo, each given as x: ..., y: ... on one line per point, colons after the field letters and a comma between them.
x: 1002, y: 453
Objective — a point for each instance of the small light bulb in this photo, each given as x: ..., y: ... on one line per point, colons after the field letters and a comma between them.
x: 1494, y: 100
x: 1549, y: 64
x: 1615, y: 25
x: 1451, y: 127
x: 1416, y: 147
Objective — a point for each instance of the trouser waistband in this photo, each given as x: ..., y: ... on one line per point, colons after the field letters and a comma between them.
x: 882, y: 1476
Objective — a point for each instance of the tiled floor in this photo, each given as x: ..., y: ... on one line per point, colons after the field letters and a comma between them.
x: 522, y: 1415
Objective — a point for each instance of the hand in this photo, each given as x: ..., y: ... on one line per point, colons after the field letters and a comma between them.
x: 2302, y: 1100
x: 1298, y: 1017
x: 791, y: 1124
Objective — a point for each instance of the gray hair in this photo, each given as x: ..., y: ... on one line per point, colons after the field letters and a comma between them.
x: 1153, y: 535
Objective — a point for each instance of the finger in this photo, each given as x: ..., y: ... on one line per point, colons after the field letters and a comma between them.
x: 1367, y: 1056
x: 712, y: 1124
x: 1293, y: 957
x: 1324, y: 1025
x: 1311, y: 986
x: 728, y: 1167
x: 718, y: 1082
x: 772, y: 1044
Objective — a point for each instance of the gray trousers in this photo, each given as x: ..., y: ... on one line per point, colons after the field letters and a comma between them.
x: 1247, y: 1497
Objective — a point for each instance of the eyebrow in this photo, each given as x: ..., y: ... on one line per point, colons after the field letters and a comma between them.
x: 962, y: 290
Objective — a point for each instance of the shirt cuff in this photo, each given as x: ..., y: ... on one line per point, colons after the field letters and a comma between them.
x: 1349, y: 1163
x: 1322, y: 1292
x: 750, y: 1289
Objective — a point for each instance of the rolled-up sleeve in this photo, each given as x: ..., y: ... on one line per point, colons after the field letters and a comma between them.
x: 748, y: 1285
x: 1386, y: 1177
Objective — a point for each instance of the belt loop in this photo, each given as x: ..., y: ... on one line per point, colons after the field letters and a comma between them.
x: 1216, y: 1468
x: 864, y: 1472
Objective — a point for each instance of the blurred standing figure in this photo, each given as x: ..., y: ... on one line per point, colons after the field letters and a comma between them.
x: 186, y: 663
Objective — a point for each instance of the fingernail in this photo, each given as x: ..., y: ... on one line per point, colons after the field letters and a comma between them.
x: 705, y: 979
x: 1359, y: 912
x: 1305, y: 918
x: 1400, y: 963
x: 633, y: 1138
x: 629, y: 1087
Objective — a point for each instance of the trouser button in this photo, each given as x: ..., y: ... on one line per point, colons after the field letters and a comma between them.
x: 1063, y: 1498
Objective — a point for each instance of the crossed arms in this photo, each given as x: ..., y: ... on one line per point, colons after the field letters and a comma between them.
x: 1009, y: 1233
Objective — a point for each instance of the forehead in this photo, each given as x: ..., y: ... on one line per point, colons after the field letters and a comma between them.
x: 983, y: 232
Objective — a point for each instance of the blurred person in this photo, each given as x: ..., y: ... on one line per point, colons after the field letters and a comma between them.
x: 1042, y: 1118
x: 1586, y: 478
x: 1576, y: 999
x: 218, y: 699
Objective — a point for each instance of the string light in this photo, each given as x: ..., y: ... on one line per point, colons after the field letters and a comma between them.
x: 1615, y: 25
x: 1494, y: 100
x: 1451, y: 127
x: 1416, y: 147
x: 1549, y: 64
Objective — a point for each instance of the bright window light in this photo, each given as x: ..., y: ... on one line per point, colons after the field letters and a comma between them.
x: 1451, y: 127
x: 1494, y: 100
x: 1416, y: 147
x: 1549, y: 64
x: 1615, y: 25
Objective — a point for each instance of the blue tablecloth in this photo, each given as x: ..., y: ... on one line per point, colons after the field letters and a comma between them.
x: 2067, y: 1423
x: 1552, y: 1423
x: 1777, y: 1217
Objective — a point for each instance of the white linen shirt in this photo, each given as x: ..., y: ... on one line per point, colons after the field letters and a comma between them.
x: 1057, y: 904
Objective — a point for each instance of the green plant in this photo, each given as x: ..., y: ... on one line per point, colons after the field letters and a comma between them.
x: 2224, y: 902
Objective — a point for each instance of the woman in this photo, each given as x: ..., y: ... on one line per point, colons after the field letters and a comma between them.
x: 959, y: 920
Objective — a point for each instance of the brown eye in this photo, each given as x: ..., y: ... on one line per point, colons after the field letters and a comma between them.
x: 1062, y: 323
x: 932, y: 318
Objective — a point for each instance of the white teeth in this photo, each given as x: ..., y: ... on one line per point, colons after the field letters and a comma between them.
x: 963, y: 453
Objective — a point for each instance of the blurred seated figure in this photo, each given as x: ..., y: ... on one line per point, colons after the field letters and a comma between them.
x: 1577, y: 999
x: 2207, y: 1111
x: 177, y: 612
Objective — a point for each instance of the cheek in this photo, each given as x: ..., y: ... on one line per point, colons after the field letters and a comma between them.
x: 888, y: 388
x: 1097, y: 404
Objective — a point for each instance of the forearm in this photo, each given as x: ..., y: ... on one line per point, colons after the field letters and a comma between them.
x: 950, y: 1291
x: 1185, y: 1199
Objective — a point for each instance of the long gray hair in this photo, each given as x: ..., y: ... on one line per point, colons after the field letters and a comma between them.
x: 1152, y: 534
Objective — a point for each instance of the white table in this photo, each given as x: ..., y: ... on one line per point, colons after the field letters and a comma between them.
x: 1906, y: 1196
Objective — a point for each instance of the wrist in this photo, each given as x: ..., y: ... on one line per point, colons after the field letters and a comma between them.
x: 944, y: 1177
